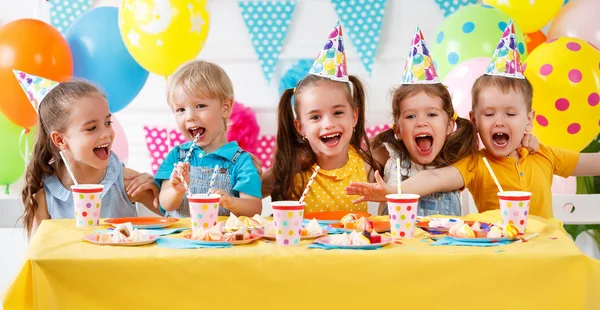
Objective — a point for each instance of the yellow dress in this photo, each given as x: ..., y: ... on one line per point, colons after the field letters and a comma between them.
x: 327, y: 190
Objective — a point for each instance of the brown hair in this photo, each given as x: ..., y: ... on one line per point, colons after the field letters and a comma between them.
x: 504, y: 84
x: 460, y: 143
x: 292, y: 155
x: 54, y: 113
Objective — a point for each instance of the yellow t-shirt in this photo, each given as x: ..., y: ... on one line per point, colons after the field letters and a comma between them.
x: 531, y: 173
x: 327, y: 190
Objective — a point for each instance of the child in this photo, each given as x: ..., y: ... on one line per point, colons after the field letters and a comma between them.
x: 200, y: 95
x: 423, y: 135
x: 324, y: 125
x: 74, y: 118
x: 502, y: 113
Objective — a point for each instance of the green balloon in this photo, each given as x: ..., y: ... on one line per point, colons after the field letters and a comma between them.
x: 12, y: 165
x: 472, y: 31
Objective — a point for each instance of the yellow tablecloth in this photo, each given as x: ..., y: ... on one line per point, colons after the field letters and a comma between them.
x: 63, y: 272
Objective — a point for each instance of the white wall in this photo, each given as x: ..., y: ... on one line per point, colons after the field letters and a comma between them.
x: 229, y: 45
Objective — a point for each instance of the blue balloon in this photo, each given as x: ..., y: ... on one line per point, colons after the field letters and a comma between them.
x: 100, y: 56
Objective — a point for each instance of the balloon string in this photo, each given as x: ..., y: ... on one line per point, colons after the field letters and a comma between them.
x: 25, y: 155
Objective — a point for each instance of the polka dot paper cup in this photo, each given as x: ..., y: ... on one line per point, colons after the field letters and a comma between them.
x: 204, y: 210
x: 403, y: 213
x: 514, y: 208
x: 87, y: 200
x: 288, y: 217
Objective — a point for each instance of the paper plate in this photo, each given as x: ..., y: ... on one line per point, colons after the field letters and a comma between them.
x: 384, y: 241
x: 483, y: 240
x: 378, y: 226
x: 239, y: 242
x: 144, y: 222
x: 93, y: 238
x: 331, y: 217
x: 424, y: 225
x: 260, y: 232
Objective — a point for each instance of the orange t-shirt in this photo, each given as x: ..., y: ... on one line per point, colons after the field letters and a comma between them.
x: 531, y: 173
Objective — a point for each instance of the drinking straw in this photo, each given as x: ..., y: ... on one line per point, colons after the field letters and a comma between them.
x: 64, y: 158
x: 314, y: 175
x: 485, y: 161
x: 399, y: 178
x: 212, y: 179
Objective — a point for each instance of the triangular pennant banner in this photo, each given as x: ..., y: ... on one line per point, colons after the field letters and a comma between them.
x: 64, y: 12
x: 362, y: 20
x: 268, y: 23
x: 451, y: 6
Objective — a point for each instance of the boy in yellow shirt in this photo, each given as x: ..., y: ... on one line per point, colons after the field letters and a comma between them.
x: 501, y: 111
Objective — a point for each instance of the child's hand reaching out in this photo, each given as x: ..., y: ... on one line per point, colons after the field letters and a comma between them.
x: 370, y: 191
x: 180, y: 174
x: 225, y: 198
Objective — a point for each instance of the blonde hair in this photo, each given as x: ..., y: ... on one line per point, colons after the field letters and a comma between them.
x: 199, y: 77
x: 504, y: 84
x: 54, y: 114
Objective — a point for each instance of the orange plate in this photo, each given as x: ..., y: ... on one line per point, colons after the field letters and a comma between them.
x: 261, y: 233
x: 238, y: 242
x: 333, y: 215
x: 144, y: 222
x: 378, y: 226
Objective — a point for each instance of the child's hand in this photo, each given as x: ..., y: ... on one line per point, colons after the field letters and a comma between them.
x: 181, y: 172
x: 530, y: 142
x: 225, y: 198
x: 369, y: 191
x: 257, y: 163
x: 137, y: 184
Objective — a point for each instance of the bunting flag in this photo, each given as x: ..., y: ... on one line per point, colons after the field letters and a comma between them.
x: 268, y: 22
x: 64, y: 12
x: 451, y: 6
x: 362, y: 20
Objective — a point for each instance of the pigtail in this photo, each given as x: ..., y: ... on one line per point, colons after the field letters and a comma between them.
x: 359, y: 138
x: 292, y: 154
x: 38, y: 168
x: 461, y: 143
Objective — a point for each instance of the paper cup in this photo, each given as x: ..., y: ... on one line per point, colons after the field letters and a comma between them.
x: 403, y: 213
x: 514, y: 208
x: 287, y: 216
x: 87, y: 200
x: 204, y: 210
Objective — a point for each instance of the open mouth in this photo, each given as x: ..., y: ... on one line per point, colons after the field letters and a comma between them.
x: 332, y: 139
x: 196, y: 131
x: 500, y: 139
x: 424, y: 143
x: 102, y: 151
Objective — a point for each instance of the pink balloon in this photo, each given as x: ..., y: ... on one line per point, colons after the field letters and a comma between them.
x: 120, y: 145
x: 460, y: 81
x: 578, y: 19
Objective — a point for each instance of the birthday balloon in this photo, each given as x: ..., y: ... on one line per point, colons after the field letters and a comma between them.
x: 530, y: 15
x: 162, y: 35
x: 460, y: 81
x: 472, y: 31
x: 565, y: 75
x: 120, y: 145
x: 13, y: 150
x: 534, y: 39
x: 578, y: 19
x: 34, y: 47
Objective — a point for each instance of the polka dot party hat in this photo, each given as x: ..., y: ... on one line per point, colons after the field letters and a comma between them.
x: 35, y: 87
x: 419, y: 67
x: 331, y: 62
x: 506, y: 60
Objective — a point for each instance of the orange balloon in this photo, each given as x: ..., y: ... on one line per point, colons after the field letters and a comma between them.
x: 534, y: 39
x: 34, y: 47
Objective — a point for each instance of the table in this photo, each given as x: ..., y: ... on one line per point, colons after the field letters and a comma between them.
x: 548, y: 272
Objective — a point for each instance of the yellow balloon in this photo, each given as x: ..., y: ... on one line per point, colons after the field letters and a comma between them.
x: 419, y: 71
x: 162, y: 35
x: 565, y: 75
x: 531, y: 16
x: 329, y: 64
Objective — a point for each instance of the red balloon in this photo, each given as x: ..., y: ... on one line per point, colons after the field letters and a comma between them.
x: 34, y: 47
